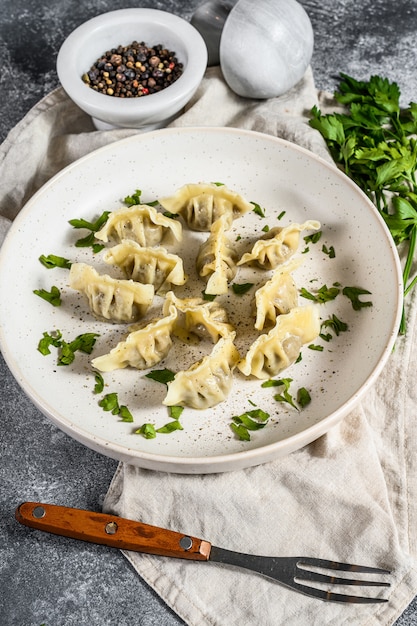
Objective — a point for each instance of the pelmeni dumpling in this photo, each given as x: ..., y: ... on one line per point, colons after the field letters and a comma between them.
x: 201, y: 204
x: 155, y: 266
x: 216, y: 259
x: 278, y: 295
x: 207, y: 382
x: 273, y: 352
x: 143, y: 348
x: 198, y: 317
x: 109, y: 298
x: 278, y: 245
x: 142, y: 223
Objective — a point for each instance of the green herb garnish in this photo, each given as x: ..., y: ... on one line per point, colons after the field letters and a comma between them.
x: 324, y: 294
x: 329, y: 251
x: 170, y: 427
x: 285, y: 396
x: 242, y: 288
x: 303, y: 397
x: 146, y: 430
x: 99, y: 386
x: 149, y: 431
x: 82, y: 343
x: 53, y: 296
x: 240, y: 431
x: 258, y: 209
x: 335, y: 324
x: 315, y: 347
x: 52, y: 260
x: 135, y: 198
x: 250, y: 420
x: 208, y: 296
x: 161, y: 376
x: 110, y: 402
x: 90, y: 240
x: 175, y: 411
x: 374, y: 142
x: 353, y: 294
x: 93, y: 226
x: 49, y: 340
x: 125, y: 414
x: 313, y: 238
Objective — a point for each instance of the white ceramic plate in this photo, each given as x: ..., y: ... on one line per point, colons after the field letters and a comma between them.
x: 280, y: 177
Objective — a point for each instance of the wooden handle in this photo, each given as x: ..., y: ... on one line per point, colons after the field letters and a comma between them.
x: 111, y: 530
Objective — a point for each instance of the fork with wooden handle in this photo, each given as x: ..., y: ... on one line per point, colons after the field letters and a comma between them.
x: 117, y: 532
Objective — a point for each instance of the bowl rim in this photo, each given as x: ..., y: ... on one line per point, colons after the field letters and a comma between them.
x: 194, y: 66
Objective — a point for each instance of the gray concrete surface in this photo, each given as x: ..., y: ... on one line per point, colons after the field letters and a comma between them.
x: 52, y: 580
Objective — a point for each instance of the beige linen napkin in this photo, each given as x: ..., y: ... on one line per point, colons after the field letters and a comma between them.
x: 349, y: 496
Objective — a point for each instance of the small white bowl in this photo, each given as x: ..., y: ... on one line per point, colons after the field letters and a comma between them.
x: 92, y: 39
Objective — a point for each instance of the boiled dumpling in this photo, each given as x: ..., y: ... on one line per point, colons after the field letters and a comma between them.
x: 198, y: 317
x: 216, y: 259
x: 273, y: 352
x: 201, y: 204
x: 142, y: 223
x: 143, y: 348
x: 109, y: 298
x: 278, y: 245
x: 278, y: 295
x: 207, y: 382
x: 155, y: 266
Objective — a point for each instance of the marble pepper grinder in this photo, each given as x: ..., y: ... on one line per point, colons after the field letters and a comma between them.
x: 263, y: 48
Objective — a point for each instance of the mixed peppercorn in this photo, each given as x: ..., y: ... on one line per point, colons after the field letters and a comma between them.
x: 133, y: 71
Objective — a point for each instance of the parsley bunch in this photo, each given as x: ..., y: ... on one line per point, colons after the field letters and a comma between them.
x: 373, y: 142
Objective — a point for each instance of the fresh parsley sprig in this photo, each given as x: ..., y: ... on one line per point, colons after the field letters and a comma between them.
x: 53, y: 260
x: 149, y: 431
x: 326, y: 294
x: 90, y: 240
x: 82, y: 343
x: 303, y: 397
x: 254, y: 419
x: 374, y: 142
x: 53, y: 296
x: 335, y: 324
x: 110, y: 402
x: 136, y: 198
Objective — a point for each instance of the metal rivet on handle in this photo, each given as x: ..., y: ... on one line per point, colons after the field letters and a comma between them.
x: 111, y: 528
x: 38, y: 512
x: 186, y: 543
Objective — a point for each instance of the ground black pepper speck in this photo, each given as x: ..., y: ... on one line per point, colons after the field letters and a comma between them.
x: 133, y: 71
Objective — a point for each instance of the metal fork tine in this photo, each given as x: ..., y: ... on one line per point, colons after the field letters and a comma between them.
x: 334, y: 580
x: 335, y: 597
x: 345, y: 567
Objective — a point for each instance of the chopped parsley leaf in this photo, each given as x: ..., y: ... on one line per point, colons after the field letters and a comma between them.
x: 258, y: 209
x: 161, y: 376
x: 53, y: 296
x: 242, y: 288
x: 353, y: 294
x: 52, y: 260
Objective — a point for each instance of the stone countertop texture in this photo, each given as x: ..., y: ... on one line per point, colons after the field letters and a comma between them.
x: 53, y: 580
